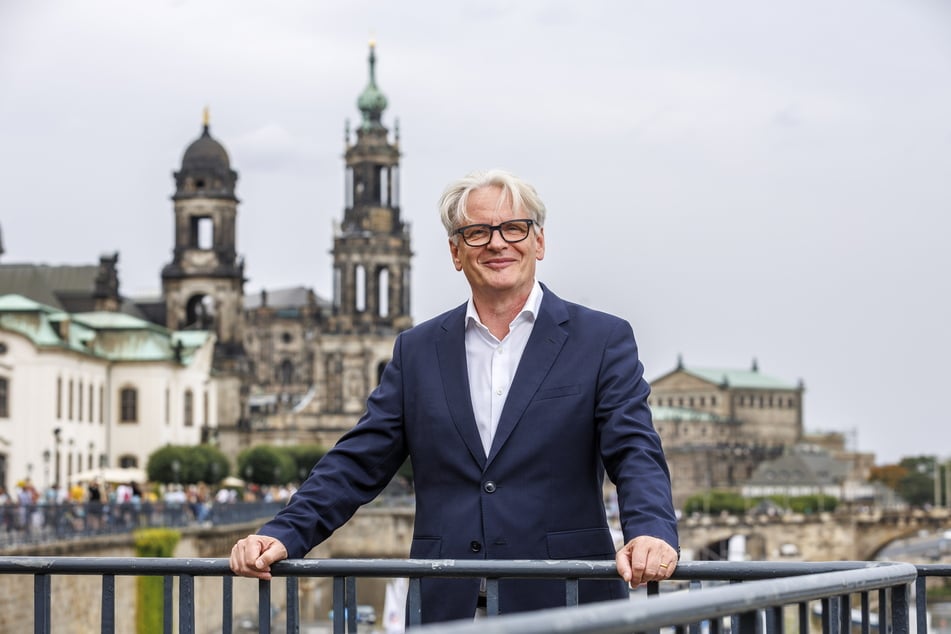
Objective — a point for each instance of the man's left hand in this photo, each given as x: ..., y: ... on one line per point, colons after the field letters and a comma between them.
x: 646, y: 559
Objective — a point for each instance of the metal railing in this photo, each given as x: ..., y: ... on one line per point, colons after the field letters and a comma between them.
x: 768, y: 594
x: 43, y: 523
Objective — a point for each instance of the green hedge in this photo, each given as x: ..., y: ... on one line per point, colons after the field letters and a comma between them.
x: 152, y: 542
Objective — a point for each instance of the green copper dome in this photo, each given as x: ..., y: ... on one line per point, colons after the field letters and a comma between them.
x: 372, y: 102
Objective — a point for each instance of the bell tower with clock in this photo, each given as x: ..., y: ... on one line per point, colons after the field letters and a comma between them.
x: 203, y: 284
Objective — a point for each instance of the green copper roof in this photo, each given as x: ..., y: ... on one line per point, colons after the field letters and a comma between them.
x: 16, y: 303
x: 105, y: 320
x: 751, y: 379
x: 372, y: 102
x: 106, y: 335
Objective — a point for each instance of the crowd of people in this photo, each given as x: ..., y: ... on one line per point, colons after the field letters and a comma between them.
x: 28, y: 513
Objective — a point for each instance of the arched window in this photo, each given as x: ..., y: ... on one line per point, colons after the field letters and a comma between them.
x: 4, y: 397
x: 128, y: 461
x: 360, y: 288
x: 383, y: 292
x: 200, y: 313
x: 128, y: 405
x: 189, y: 417
x: 286, y: 372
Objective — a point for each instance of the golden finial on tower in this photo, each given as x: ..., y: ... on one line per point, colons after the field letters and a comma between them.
x: 205, y: 116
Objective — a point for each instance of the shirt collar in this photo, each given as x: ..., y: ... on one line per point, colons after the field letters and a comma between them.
x: 529, y: 310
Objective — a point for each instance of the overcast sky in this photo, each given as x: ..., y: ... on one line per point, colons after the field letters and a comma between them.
x: 740, y: 180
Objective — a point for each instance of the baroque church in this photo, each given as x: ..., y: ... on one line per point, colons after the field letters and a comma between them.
x: 286, y: 366
x: 301, y: 365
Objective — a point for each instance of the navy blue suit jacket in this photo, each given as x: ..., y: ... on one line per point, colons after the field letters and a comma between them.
x: 576, y: 408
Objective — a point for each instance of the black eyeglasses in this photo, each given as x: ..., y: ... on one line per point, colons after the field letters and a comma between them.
x: 512, y: 231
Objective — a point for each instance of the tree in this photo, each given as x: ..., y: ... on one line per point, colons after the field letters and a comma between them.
x: 305, y: 457
x: 890, y: 475
x: 266, y: 464
x: 917, y: 487
x: 187, y: 464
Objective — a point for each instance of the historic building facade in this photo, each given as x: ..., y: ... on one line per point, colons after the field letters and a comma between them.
x: 83, y: 390
x: 719, y: 424
x: 313, y: 360
x: 282, y: 366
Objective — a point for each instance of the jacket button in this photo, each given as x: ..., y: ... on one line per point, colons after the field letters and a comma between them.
x: 489, y: 487
x: 475, y: 546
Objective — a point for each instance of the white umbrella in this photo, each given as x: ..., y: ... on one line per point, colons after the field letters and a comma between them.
x: 112, y: 475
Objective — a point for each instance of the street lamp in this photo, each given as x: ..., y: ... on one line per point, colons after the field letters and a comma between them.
x: 46, y: 469
x: 57, y: 440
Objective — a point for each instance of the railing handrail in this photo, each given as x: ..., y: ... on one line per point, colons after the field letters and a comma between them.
x: 356, y: 567
x: 766, y: 586
x: 673, y: 609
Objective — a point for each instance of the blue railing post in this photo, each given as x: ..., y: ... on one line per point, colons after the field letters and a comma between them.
x: 186, y: 604
x: 108, y: 618
x: 264, y: 606
x: 227, y: 604
x: 41, y: 603
x: 900, y: 610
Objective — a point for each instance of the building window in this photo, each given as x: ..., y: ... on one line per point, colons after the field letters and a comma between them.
x: 189, y: 409
x: 59, y: 398
x: 102, y: 398
x: 91, y: 419
x: 128, y: 405
x: 69, y: 409
x: 713, y: 401
x: 128, y: 462
x: 4, y: 397
x: 204, y: 408
x: 285, y: 372
x: 79, y: 395
x: 168, y: 405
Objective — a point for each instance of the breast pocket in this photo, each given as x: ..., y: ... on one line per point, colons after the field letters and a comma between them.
x: 558, y: 392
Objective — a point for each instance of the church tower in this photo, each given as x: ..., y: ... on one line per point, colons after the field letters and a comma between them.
x: 371, y: 246
x: 203, y: 284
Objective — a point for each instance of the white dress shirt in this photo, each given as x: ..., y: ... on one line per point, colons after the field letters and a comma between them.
x: 492, y: 363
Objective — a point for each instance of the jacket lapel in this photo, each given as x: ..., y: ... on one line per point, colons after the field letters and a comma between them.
x: 453, y: 371
x: 545, y: 343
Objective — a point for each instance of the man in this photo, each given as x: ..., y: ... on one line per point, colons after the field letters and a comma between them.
x: 511, y: 408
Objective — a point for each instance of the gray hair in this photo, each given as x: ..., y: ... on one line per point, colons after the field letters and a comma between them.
x: 452, y: 204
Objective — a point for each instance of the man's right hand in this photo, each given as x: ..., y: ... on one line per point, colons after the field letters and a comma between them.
x: 253, y: 556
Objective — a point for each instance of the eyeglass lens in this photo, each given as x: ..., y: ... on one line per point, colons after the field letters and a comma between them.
x: 481, y: 235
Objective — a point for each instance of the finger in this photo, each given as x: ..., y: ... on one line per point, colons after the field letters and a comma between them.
x: 623, y: 562
x: 268, y: 554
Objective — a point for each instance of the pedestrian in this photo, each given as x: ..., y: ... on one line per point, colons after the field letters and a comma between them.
x: 511, y: 407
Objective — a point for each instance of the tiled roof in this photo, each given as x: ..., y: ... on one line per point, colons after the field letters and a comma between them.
x: 752, y: 379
